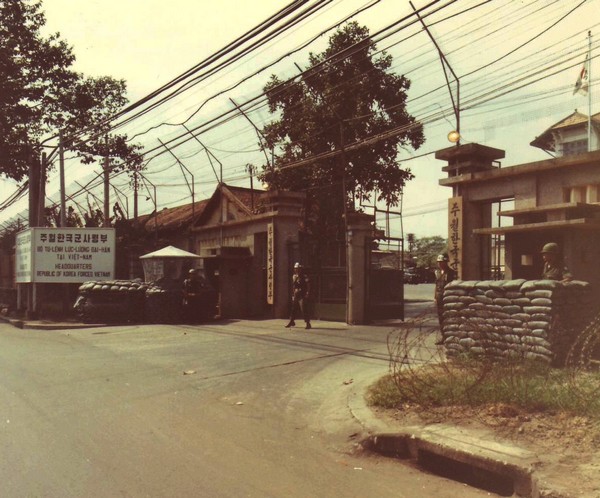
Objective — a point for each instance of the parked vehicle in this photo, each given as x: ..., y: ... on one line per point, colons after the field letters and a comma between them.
x: 411, y: 276
x: 418, y: 276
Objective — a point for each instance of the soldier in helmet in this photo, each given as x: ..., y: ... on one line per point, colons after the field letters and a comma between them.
x: 443, y: 275
x: 554, y: 267
x: 191, y: 294
x: 300, y: 296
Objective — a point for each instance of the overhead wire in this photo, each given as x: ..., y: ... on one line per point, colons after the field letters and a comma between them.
x: 253, y: 32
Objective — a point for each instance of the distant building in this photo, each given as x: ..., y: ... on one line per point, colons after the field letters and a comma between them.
x: 500, y: 217
x: 569, y: 136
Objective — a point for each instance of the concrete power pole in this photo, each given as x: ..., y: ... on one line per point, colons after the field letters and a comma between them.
x: 61, y: 162
x: 106, y: 222
x: 136, y: 187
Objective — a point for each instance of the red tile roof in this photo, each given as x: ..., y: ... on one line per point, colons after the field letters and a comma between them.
x: 179, y: 217
x: 173, y: 218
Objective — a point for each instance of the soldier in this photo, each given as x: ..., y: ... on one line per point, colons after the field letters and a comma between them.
x: 191, y: 295
x: 554, y: 267
x: 443, y: 275
x: 300, y: 296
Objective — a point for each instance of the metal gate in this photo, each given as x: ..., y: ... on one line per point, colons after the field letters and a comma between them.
x: 328, y: 283
x: 385, y: 293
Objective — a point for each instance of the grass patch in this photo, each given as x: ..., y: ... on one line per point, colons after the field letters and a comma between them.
x: 532, y: 387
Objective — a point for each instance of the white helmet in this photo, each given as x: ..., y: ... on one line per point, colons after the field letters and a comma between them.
x: 442, y: 257
x: 297, y: 265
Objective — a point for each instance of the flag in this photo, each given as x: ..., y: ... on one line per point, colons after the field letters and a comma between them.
x: 582, y: 83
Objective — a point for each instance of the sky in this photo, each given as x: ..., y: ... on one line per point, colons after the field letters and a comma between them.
x: 517, y: 61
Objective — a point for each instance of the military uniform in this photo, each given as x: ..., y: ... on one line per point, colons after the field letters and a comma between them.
x: 191, y: 298
x: 300, y: 298
x: 557, y: 271
x: 442, y: 278
x: 554, y: 267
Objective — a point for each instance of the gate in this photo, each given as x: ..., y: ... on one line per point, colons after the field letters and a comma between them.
x: 385, y: 293
x: 328, y: 283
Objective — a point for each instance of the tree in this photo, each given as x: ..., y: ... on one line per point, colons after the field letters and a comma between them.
x: 41, y: 94
x: 426, y: 250
x: 347, y: 94
x: 72, y: 218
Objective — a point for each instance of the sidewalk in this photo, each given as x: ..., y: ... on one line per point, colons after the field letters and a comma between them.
x: 416, y: 312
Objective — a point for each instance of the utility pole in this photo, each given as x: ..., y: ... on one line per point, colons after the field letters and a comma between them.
x: 589, y: 70
x: 106, y: 221
x: 250, y: 171
x: 61, y: 162
x: 42, y: 191
x: 136, y: 186
x: 33, y: 178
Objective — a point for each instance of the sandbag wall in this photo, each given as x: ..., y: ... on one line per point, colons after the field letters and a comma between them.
x: 535, y: 319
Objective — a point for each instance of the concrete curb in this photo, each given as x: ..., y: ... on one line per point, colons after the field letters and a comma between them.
x: 42, y: 325
x: 454, y: 453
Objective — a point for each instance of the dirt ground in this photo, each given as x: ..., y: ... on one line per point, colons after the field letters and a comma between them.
x: 567, y: 447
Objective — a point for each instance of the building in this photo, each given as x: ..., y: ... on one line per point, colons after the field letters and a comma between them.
x: 499, y: 218
x: 248, y: 241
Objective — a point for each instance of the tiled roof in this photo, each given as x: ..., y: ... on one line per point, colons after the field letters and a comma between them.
x: 173, y: 218
x: 545, y: 140
x: 181, y: 216
x: 244, y: 195
x: 574, y: 119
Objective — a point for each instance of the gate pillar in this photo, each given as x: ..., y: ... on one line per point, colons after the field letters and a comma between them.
x: 359, y: 235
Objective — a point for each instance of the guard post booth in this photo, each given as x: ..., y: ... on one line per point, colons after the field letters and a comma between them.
x: 166, y: 268
x: 168, y: 265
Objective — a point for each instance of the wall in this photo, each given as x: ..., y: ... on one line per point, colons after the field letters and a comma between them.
x: 529, y: 319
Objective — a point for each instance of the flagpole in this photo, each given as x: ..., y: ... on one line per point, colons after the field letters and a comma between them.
x: 589, y: 70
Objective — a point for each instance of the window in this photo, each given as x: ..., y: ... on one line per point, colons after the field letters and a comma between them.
x: 575, y: 147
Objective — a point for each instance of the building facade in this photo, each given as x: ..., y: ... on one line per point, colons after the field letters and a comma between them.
x: 501, y: 217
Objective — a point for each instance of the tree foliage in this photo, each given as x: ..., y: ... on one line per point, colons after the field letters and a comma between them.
x: 426, y: 250
x: 347, y: 94
x: 40, y: 93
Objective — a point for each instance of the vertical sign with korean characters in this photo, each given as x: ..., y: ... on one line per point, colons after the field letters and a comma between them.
x: 455, y: 233
x: 67, y: 255
x: 270, y: 263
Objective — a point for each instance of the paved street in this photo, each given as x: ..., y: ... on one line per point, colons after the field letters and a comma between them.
x: 225, y: 409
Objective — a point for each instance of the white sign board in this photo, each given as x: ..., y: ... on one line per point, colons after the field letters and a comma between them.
x: 23, y: 261
x: 65, y: 255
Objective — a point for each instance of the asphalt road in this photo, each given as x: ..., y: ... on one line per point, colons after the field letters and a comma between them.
x: 237, y: 409
x: 420, y: 292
